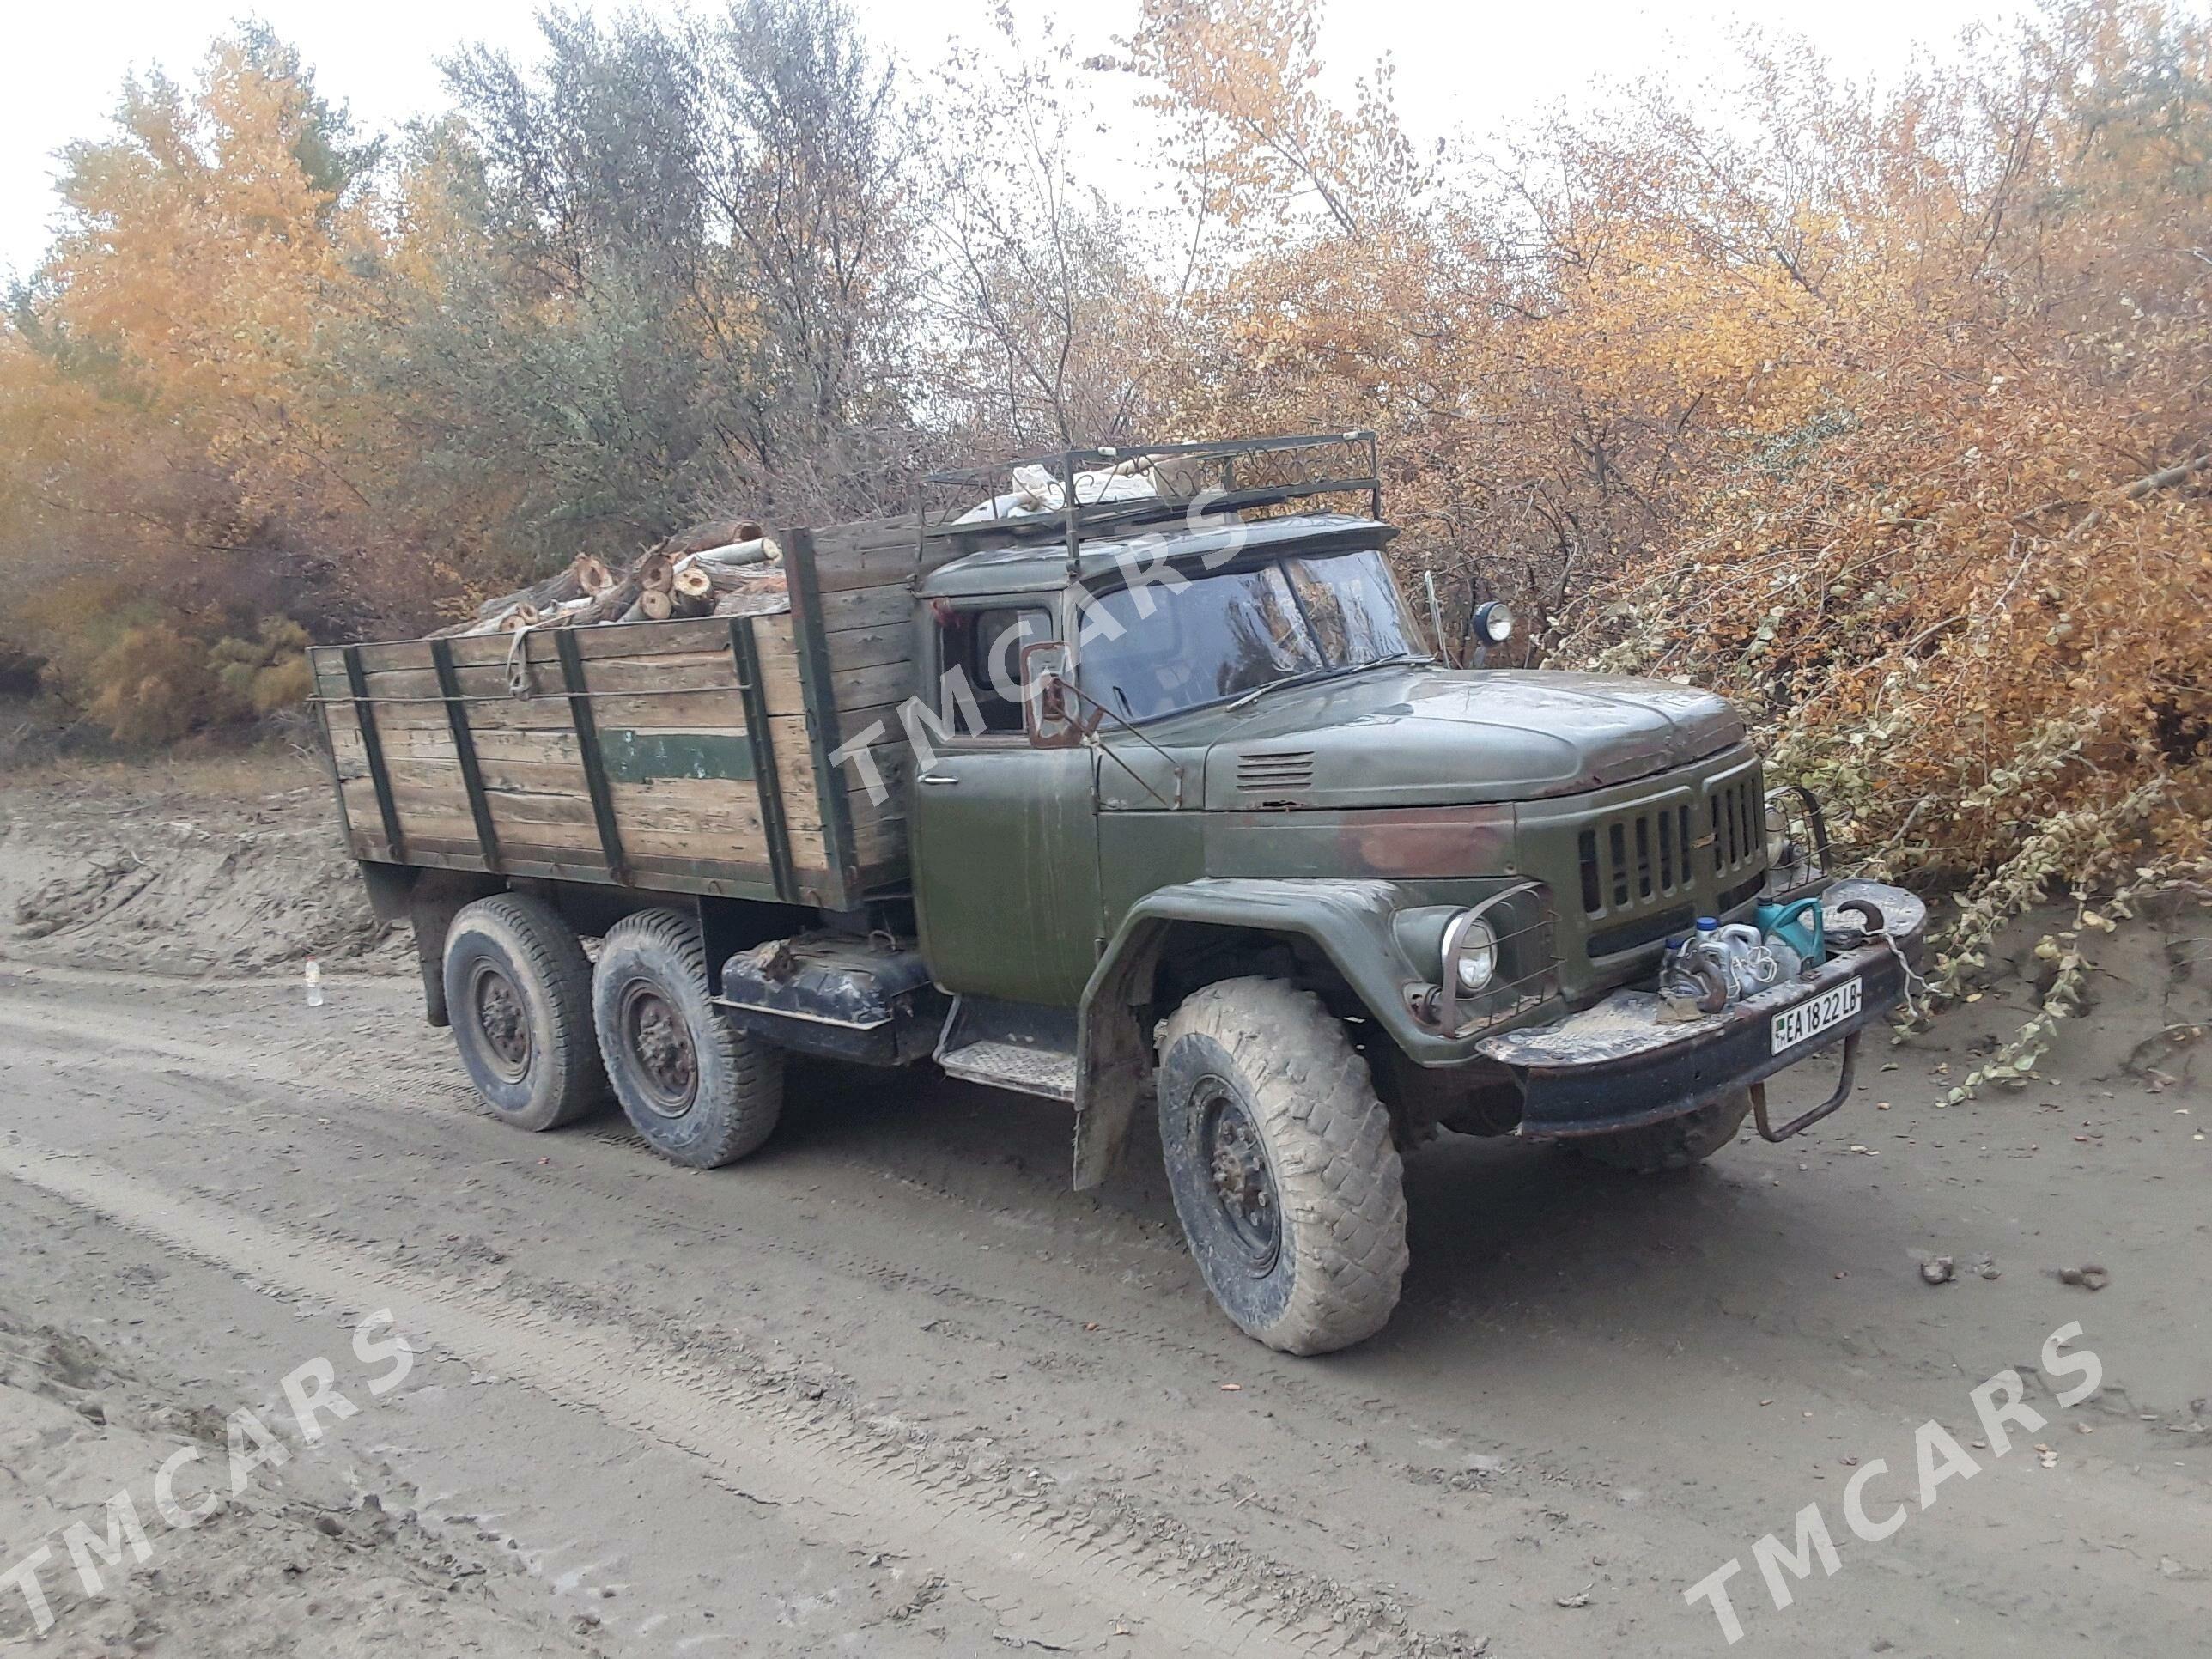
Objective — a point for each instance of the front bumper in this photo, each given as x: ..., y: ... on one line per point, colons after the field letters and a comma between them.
x: 1617, y: 1065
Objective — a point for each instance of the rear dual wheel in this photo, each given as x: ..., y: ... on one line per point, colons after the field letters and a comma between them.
x: 519, y: 995
x: 699, y: 1092
x: 546, y: 1037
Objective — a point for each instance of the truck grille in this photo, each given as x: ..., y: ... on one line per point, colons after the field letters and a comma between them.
x: 1640, y: 859
x: 1640, y: 867
x: 1736, y: 814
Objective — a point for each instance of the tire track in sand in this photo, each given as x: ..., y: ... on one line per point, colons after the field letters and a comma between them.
x: 1003, y: 1547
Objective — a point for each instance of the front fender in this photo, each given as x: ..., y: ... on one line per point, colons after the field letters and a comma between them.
x: 1349, y: 921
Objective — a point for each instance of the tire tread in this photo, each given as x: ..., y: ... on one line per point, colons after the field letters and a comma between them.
x: 1342, y: 1183
x: 755, y: 1070
x: 546, y: 947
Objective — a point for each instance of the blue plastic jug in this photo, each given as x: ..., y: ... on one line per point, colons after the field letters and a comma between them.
x: 1798, y: 925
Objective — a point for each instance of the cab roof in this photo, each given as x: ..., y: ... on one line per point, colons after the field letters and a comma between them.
x: 1040, y: 566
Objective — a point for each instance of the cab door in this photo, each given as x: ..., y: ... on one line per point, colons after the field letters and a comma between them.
x: 1005, y: 836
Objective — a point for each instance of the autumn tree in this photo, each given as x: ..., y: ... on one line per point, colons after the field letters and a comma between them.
x: 1055, y: 301
x: 157, y: 379
x: 661, y: 270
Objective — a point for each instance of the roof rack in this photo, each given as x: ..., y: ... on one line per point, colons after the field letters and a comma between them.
x: 1084, y: 493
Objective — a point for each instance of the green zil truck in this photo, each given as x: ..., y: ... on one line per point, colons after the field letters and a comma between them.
x: 1138, y: 787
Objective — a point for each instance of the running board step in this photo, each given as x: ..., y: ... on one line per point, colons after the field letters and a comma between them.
x: 1010, y: 1045
x: 1009, y: 1065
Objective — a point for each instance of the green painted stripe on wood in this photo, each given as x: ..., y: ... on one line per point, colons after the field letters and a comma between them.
x: 641, y: 757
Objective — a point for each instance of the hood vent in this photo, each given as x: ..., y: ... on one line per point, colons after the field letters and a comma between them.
x: 1274, y: 770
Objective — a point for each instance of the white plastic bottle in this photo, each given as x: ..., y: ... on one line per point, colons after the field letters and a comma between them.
x: 315, y: 983
x: 1751, y: 965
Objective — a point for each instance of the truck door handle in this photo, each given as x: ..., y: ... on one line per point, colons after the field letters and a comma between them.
x: 936, y: 777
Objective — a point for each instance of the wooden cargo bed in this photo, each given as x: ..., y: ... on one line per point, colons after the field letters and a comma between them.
x: 690, y: 755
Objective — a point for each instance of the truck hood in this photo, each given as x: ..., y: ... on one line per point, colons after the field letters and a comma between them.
x: 1433, y: 737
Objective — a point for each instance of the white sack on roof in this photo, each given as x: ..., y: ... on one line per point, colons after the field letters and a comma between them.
x: 1037, y: 490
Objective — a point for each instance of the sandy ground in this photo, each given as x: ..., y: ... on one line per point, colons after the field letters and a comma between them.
x: 889, y: 1387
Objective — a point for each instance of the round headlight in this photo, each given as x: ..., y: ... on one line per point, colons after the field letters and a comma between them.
x: 1493, y: 622
x: 1478, y: 956
x: 1777, y: 836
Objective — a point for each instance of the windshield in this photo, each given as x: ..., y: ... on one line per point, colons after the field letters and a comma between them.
x: 1157, y: 649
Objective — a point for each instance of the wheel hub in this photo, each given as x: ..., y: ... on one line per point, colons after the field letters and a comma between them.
x: 502, y: 1020
x: 1243, y: 1184
x: 660, y: 1044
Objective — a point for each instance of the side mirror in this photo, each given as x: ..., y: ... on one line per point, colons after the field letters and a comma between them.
x: 1051, y: 717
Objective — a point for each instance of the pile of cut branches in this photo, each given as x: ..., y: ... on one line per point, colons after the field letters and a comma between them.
x: 723, y: 568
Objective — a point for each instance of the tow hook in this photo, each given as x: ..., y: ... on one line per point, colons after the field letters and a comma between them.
x: 1799, y: 1125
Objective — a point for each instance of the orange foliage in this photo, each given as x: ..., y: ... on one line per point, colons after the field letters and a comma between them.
x: 1886, y: 416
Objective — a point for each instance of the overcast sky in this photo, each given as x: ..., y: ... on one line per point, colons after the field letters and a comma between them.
x: 1468, y: 64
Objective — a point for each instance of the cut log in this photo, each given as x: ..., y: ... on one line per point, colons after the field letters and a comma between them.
x: 658, y: 603
x: 693, y: 583
x: 759, y: 602
x: 656, y: 570
x: 741, y: 579
x: 734, y: 556
x: 592, y: 575
x: 554, y: 590
x: 715, y: 532
x: 614, y: 604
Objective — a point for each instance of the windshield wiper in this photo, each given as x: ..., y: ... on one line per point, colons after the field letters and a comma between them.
x: 1306, y: 677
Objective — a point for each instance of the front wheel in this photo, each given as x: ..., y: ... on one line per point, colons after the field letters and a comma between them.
x: 1678, y: 1143
x: 701, y: 1092
x: 1281, y: 1159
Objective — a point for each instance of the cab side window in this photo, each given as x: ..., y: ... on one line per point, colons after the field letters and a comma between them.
x: 980, y: 654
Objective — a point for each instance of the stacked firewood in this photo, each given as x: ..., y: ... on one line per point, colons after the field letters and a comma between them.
x: 724, y: 568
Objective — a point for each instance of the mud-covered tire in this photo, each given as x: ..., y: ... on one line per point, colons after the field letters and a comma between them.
x: 1678, y: 1143
x: 518, y: 997
x: 700, y: 1093
x: 1260, y: 1089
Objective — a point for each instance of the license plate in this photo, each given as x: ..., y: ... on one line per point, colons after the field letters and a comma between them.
x: 1816, y: 1014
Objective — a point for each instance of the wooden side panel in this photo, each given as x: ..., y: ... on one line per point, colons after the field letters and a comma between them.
x: 672, y: 746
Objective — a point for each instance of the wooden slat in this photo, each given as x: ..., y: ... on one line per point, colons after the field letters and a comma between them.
x: 396, y: 653
x: 439, y: 814
x: 685, y: 670
x: 688, y: 711
x: 868, y: 607
x: 869, y: 647
x: 493, y: 714
x: 692, y: 819
x: 875, y: 553
x: 660, y: 639
x: 363, y: 825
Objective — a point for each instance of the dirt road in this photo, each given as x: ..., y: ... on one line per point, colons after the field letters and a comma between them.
x: 890, y: 1388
